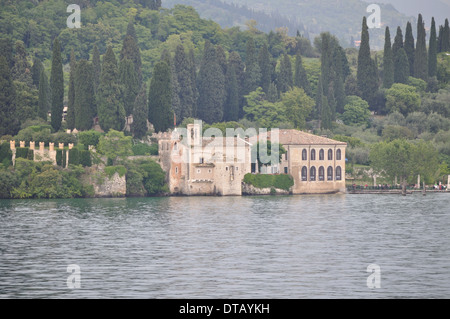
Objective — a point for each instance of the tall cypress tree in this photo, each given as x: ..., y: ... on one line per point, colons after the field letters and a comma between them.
x: 231, y: 106
x: 221, y: 58
x: 300, y: 76
x: 84, y: 104
x: 445, y: 44
x: 285, y: 76
x: 110, y: 109
x: 36, y: 71
x: 57, y: 87
x: 9, y: 122
x: 160, y: 112
x: 211, y: 87
x: 193, y: 72
x: 319, y: 100
x: 401, y: 67
x: 398, y: 42
x: 184, y: 77
x: 235, y: 61
x: 130, y: 50
x: 140, y: 114
x: 439, y: 39
x: 252, y: 70
x: 420, y: 57
x: 388, y: 61
x: 409, y: 47
x: 43, y: 102
x: 367, y: 71
x: 96, y: 67
x: 70, y: 119
x: 265, y: 67
x: 21, y: 71
x: 432, y: 50
x: 130, y: 83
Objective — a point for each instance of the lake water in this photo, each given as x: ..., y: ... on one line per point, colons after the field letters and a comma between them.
x: 218, y: 247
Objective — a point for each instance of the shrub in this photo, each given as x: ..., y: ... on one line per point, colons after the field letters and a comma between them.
x: 61, y: 157
x: 74, y: 156
x: 85, y: 158
x: 141, y: 149
x: 91, y: 137
x: 5, y: 154
x: 111, y: 170
x: 8, y: 181
x: 22, y: 152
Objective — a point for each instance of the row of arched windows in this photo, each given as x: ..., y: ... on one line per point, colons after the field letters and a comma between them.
x: 319, y: 175
x: 321, y: 155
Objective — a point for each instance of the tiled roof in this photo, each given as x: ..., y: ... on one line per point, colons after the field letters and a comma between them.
x: 296, y: 137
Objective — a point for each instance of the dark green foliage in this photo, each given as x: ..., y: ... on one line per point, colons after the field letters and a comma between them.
x: 231, y: 106
x: 398, y: 42
x: 85, y: 103
x: 367, y: 71
x: 211, y: 87
x: 43, y: 105
x: 140, y: 114
x: 234, y: 61
x: 70, y: 118
x: 252, y: 70
x: 21, y: 69
x: 8, y: 181
x: 96, y: 68
x: 85, y: 158
x: 285, y: 77
x: 409, y: 47
x: 401, y: 67
x: 145, y: 178
x: 265, y: 66
x: 421, y: 56
x: 388, y: 62
x: 130, y: 82
x: 74, y: 156
x: 160, y: 112
x: 9, y: 122
x: 22, y: 152
x: 6, y: 50
x: 445, y: 38
x: 142, y: 149
x: 272, y: 96
x: 89, y: 138
x: 284, y: 182
x: 110, y: 109
x: 59, y: 157
x: 432, y: 51
x: 130, y: 51
x: 36, y: 70
x: 57, y: 87
x: 300, y: 76
x: 5, y: 154
x: 183, y: 69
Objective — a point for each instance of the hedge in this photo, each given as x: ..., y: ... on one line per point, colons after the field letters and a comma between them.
x: 74, y: 156
x: 85, y: 158
x: 284, y: 182
x: 61, y: 157
x: 5, y: 154
x: 25, y: 152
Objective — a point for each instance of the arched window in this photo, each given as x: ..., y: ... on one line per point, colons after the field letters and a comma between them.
x: 330, y: 173
x: 304, y: 174
x: 330, y: 154
x: 321, y: 155
x: 321, y: 173
x: 313, y: 155
x: 312, y: 175
x: 304, y: 155
x: 338, y: 155
x: 338, y: 173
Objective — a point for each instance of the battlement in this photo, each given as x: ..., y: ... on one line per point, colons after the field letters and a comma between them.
x: 42, y: 148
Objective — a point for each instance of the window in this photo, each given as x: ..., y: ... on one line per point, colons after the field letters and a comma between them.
x: 330, y: 173
x: 226, y: 168
x: 313, y: 155
x: 304, y: 155
x: 338, y: 173
x: 199, y: 171
x: 285, y: 170
x: 312, y: 175
x: 321, y: 155
x: 304, y: 174
x: 202, y: 160
x: 237, y: 168
x: 286, y: 156
x: 176, y: 170
x: 338, y: 155
x: 321, y: 173
x: 330, y: 154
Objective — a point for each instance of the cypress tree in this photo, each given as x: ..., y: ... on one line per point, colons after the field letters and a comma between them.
x: 130, y: 50
x: 235, y: 61
x: 432, y: 50
x: 70, y: 119
x: 326, y: 114
x: 398, y: 42
x: 36, y: 71
x: 96, y: 67
x: 231, y: 106
x: 250, y: 55
x: 43, y: 102
x: 160, y: 112
x: 388, y: 61
x: 211, y: 87
x: 439, y: 39
x: 272, y: 95
x: 331, y: 99
x: 265, y: 67
x: 300, y: 76
x: 57, y: 87
x: 84, y: 104
x: 184, y: 77
x: 445, y: 46
x: 401, y: 67
x: 129, y: 81
x: 110, y: 109
x: 409, y: 47
x: 319, y: 100
x: 9, y: 122
x: 221, y: 58
x: 420, y: 57
x: 21, y: 71
x: 193, y: 72
x: 252, y: 69
x: 140, y: 114
x: 367, y: 72
x: 285, y: 77
x: 175, y: 86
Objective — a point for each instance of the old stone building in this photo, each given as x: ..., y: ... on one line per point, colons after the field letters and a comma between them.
x: 316, y: 163
x: 198, y: 165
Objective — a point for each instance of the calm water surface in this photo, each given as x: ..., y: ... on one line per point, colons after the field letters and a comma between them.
x: 237, y: 247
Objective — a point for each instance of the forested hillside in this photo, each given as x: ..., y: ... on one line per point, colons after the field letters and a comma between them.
x: 135, y: 58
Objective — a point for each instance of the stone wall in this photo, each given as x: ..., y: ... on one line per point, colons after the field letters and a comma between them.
x: 250, y: 190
